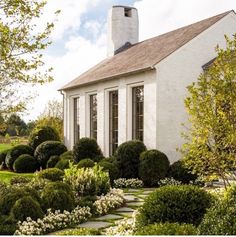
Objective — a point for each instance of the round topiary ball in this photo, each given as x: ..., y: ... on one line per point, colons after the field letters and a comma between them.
x: 127, y: 158
x: 153, y: 166
x: 182, y: 204
x: 62, y: 164
x: 26, y: 207
x: 52, y: 174
x: 57, y: 200
x: 68, y: 155
x: 87, y: 148
x: 47, y: 149
x: 7, y: 201
x: 181, y: 173
x: 25, y: 164
x: 85, y: 163
x: 51, y: 186
x: 52, y: 161
x: 15, y: 152
x: 111, y: 168
x: 42, y: 134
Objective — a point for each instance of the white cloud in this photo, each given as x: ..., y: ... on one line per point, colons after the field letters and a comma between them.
x: 81, y: 55
x: 159, y: 16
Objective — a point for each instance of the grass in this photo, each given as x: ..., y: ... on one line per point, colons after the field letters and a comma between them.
x: 5, y: 176
x: 4, y: 146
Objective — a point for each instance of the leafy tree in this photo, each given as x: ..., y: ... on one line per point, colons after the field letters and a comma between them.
x: 3, y: 126
x: 15, y: 125
x: 210, y: 147
x: 21, y: 46
x: 52, y: 116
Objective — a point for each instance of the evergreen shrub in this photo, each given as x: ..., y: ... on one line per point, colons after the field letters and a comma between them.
x: 52, y: 174
x: 26, y: 207
x: 153, y: 167
x: 15, y: 152
x: 182, y: 204
x: 25, y: 164
x: 47, y: 149
x: 87, y: 148
x: 42, y: 134
x: 127, y: 158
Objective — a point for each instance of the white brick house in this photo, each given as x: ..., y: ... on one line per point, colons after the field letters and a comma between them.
x: 138, y: 91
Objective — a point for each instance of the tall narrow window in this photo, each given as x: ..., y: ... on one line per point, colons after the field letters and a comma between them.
x: 137, y: 112
x: 93, y: 116
x: 113, y: 121
x: 76, y: 120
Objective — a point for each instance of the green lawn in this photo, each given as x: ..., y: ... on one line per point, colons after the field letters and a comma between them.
x: 5, y: 176
x: 4, y: 146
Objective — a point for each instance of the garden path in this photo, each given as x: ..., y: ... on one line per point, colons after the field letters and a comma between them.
x: 134, y: 198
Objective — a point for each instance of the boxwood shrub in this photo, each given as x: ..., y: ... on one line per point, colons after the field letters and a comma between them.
x: 42, y: 134
x: 26, y: 207
x: 15, y: 152
x: 219, y: 220
x: 153, y: 167
x: 68, y: 155
x: 127, y: 158
x: 111, y: 168
x: 25, y: 164
x: 85, y: 163
x: 182, y: 204
x: 47, y: 149
x: 51, y: 186
x: 53, y: 174
x: 179, y: 172
x: 167, y: 229
x: 87, y: 148
x: 7, y: 201
x: 56, y: 200
x: 51, y: 163
x: 62, y: 164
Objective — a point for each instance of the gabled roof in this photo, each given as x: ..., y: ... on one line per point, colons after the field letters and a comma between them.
x: 143, y: 55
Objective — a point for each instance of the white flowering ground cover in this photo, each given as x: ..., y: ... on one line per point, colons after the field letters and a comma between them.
x: 128, y: 183
x: 112, y: 200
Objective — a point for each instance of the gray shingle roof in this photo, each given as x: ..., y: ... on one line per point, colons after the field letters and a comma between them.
x: 143, y: 55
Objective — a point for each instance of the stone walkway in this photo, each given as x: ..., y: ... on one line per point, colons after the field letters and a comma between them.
x: 134, y: 198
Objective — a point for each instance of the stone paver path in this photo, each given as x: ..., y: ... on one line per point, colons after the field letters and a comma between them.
x: 95, y: 224
x: 134, y: 198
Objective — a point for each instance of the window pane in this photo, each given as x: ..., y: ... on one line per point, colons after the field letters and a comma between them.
x: 137, y: 112
x: 93, y: 116
x: 113, y: 121
x: 76, y: 120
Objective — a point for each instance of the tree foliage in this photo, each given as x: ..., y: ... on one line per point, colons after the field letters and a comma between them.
x: 21, y: 60
x: 52, y: 116
x: 210, y: 147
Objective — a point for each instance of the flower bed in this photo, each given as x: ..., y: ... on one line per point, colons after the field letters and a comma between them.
x: 54, y: 221
x: 128, y: 183
x: 114, y: 199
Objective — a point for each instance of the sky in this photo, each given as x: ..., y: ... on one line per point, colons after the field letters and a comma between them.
x: 79, y: 37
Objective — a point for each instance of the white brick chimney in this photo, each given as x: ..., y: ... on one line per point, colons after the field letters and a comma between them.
x: 123, y: 28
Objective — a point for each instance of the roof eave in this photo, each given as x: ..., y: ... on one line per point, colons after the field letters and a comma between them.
x: 107, y: 78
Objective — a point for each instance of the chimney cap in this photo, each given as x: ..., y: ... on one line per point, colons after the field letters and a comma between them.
x: 127, y: 7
